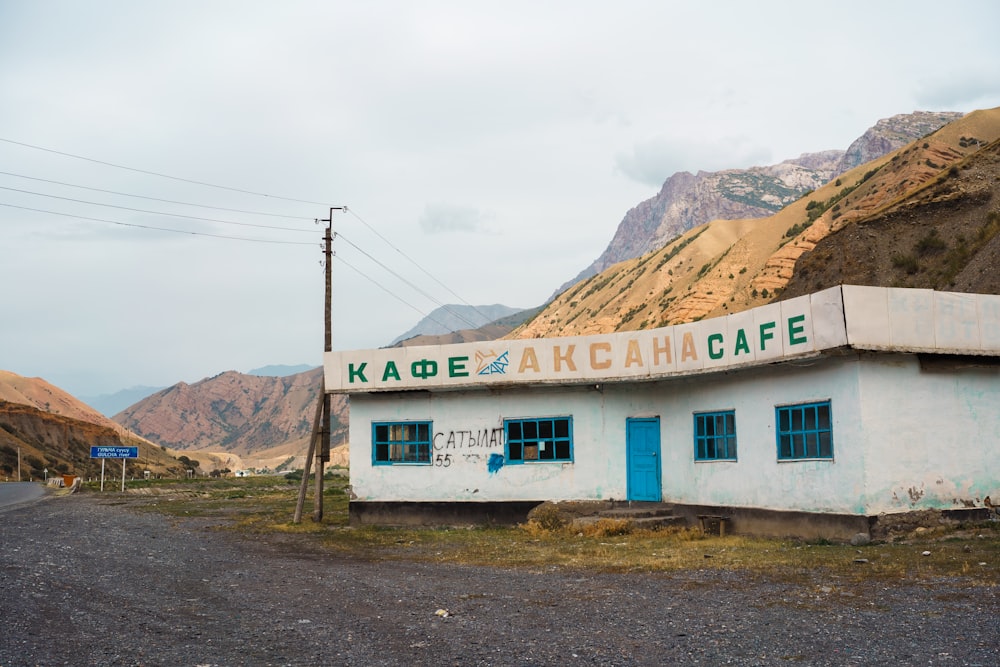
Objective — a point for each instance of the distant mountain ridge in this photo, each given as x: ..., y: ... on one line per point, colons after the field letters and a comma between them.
x: 687, y: 200
x: 455, y: 317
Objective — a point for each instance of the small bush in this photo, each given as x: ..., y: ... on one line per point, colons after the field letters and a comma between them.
x: 907, y: 263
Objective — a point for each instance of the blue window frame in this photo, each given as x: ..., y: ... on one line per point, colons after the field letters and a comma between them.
x: 804, y: 431
x: 401, y: 442
x: 715, y: 436
x: 539, y: 440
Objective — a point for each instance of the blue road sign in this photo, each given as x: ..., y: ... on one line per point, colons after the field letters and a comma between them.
x: 114, y: 452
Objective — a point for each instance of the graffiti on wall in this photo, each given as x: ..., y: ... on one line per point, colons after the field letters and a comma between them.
x: 472, y: 445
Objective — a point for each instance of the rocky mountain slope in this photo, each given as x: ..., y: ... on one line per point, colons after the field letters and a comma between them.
x: 263, y: 420
x: 687, y: 200
x: 730, y: 265
x: 51, y: 444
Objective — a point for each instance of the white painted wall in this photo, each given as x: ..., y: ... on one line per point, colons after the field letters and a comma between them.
x: 932, y: 437
x: 894, y: 428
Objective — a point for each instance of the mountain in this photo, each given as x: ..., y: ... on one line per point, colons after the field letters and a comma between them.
x: 111, y: 404
x: 38, y: 393
x: 454, y: 317
x: 492, y: 331
x: 280, y: 371
x: 925, y: 215
x: 54, y: 431
x: 260, y: 419
x: 688, y: 200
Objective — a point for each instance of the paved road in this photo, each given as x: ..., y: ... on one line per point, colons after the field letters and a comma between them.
x: 87, y: 580
x: 15, y: 493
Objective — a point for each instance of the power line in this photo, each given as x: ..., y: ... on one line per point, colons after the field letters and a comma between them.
x: 141, y: 210
x: 409, y: 283
x: 165, y: 201
x: 155, y: 173
x: 159, y: 229
x: 385, y: 289
x: 485, y: 317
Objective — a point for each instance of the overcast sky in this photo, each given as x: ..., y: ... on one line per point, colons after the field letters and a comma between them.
x: 496, y: 146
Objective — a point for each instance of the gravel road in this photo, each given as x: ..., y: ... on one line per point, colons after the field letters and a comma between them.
x: 87, y: 581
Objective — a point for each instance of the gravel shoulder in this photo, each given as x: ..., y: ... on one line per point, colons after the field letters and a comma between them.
x: 87, y: 580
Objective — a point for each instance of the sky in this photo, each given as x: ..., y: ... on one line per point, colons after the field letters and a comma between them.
x: 164, y: 163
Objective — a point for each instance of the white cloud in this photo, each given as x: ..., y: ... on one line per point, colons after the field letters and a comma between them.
x: 442, y: 218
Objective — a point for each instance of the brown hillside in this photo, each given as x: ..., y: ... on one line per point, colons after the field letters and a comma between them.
x: 729, y: 266
x: 248, y: 416
x: 38, y: 393
x: 62, y: 446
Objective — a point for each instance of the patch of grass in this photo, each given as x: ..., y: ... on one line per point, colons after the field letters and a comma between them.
x: 265, y: 506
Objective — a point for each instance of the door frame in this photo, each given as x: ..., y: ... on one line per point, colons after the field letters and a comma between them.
x: 657, y: 453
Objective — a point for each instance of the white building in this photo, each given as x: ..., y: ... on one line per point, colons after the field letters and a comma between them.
x: 812, y: 416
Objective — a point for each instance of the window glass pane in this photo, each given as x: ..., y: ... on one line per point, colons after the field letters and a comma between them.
x: 710, y: 448
x: 514, y: 431
x: 381, y: 452
x: 396, y: 432
x: 731, y: 448
x: 381, y: 433
x: 730, y: 423
x: 515, y: 451
x: 561, y: 428
x: 546, y: 450
x: 545, y: 429
x: 784, y: 421
x: 423, y: 432
x: 812, y: 448
x: 825, y: 444
x: 824, y: 415
x: 785, y: 446
x: 395, y: 452
x: 562, y: 450
x: 798, y: 445
x: 530, y: 430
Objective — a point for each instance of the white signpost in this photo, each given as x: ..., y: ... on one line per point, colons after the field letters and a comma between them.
x: 122, y: 453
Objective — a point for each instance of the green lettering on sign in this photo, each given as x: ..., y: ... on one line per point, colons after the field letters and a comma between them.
x: 766, y: 334
x: 391, y: 372
x: 456, y: 367
x: 793, y: 331
x: 741, y: 342
x: 712, y: 352
x: 359, y: 373
x: 423, y: 369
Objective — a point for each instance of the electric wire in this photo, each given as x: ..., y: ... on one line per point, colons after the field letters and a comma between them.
x: 486, y: 318
x: 141, y: 210
x: 165, y: 201
x: 413, y: 286
x: 385, y: 289
x: 161, y: 175
x: 457, y: 315
x: 160, y: 229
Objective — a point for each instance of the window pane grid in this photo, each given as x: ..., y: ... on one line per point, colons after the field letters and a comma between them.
x: 805, y: 431
x: 715, y: 436
x: 547, y: 439
x: 401, y: 442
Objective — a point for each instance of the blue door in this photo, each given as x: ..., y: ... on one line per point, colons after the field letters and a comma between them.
x: 642, y: 445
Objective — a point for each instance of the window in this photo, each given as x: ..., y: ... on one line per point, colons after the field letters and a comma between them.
x: 549, y: 439
x: 715, y: 436
x: 401, y: 442
x: 805, y: 431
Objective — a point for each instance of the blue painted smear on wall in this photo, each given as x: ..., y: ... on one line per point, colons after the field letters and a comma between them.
x: 495, y: 463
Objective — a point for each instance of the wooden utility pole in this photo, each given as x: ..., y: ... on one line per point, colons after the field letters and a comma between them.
x: 321, y: 423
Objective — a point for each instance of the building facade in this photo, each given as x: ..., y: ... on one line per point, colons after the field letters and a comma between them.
x: 809, y: 416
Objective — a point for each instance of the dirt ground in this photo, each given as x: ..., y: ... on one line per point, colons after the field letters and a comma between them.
x: 87, y: 580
